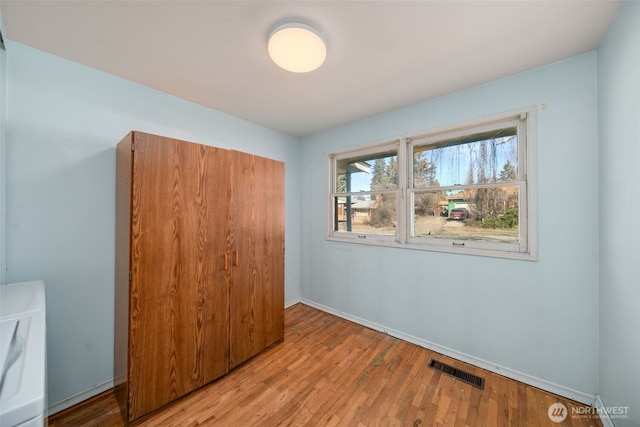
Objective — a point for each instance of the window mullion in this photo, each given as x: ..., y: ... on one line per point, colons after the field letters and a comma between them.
x: 401, y: 201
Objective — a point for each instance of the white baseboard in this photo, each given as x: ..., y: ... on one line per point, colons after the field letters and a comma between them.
x: 288, y: 304
x: 606, y: 421
x: 578, y: 396
x: 79, y: 397
x: 569, y: 393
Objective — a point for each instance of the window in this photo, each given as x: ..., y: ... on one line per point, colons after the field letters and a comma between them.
x: 466, y: 188
x: 366, y: 193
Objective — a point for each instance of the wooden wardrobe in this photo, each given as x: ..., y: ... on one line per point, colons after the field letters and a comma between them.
x: 199, y: 266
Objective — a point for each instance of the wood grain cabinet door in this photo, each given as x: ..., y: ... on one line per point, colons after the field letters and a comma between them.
x: 179, y: 307
x: 256, y: 222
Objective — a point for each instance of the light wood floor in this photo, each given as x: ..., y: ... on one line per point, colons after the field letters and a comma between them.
x: 331, y: 372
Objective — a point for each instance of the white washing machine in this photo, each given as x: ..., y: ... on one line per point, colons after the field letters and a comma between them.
x: 23, y: 355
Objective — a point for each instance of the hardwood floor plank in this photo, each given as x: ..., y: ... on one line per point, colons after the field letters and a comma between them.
x: 331, y: 372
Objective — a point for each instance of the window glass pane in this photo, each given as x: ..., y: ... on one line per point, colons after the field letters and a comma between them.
x: 486, y: 214
x: 371, y: 173
x: 477, y: 159
x: 367, y: 213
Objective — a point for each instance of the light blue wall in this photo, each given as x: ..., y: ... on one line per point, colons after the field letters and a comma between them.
x: 619, y: 139
x: 537, y: 318
x: 64, y: 122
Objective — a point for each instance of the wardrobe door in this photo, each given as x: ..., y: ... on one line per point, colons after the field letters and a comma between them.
x: 178, y: 336
x: 256, y: 219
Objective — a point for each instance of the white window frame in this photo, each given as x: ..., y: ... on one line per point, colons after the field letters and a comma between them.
x: 370, y: 238
x: 525, y: 248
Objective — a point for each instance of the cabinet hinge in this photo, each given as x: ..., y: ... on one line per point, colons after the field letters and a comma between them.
x: 130, y: 275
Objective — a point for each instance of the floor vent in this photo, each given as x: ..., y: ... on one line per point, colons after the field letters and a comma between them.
x: 468, y: 378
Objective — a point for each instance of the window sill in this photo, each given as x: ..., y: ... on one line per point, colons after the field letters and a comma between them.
x: 392, y: 243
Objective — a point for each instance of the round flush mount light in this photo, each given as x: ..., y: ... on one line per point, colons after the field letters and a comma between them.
x: 297, y: 48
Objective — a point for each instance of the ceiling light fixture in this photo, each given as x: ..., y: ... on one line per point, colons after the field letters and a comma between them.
x: 297, y: 48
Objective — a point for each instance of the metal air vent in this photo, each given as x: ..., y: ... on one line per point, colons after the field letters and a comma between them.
x: 468, y: 378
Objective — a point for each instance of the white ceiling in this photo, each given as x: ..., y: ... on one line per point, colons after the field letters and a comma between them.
x: 382, y: 55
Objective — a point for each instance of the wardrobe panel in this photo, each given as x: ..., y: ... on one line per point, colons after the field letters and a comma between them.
x: 178, y: 296
x: 123, y: 228
x: 256, y: 222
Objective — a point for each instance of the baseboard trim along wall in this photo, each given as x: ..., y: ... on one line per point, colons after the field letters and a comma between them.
x: 578, y: 396
x: 606, y: 420
x: 79, y: 397
x: 569, y: 393
x: 291, y: 303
